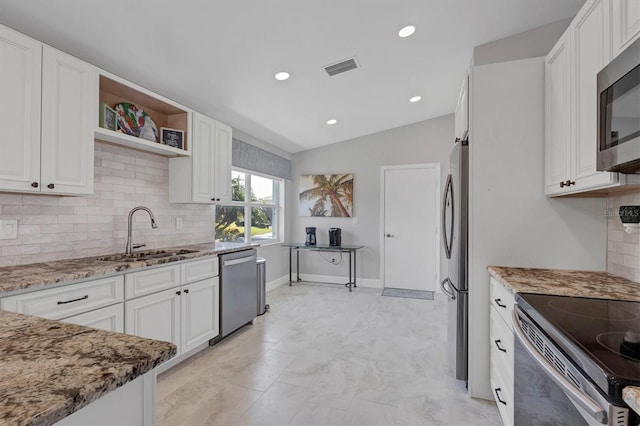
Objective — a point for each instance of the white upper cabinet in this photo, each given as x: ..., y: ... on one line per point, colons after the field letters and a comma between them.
x: 571, y: 102
x: 625, y: 23
x: 205, y: 177
x: 461, y: 116
x: 69, y: 119
x: 48, y: 110
x: 20, y: 93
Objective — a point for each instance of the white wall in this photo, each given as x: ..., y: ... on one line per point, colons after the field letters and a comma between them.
x: 512, y: 223
x: 427, y: 141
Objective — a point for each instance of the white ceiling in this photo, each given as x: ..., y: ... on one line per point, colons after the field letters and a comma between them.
x: 219, y: 57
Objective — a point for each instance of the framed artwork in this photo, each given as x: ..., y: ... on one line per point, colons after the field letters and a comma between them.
x: 326, y: 195
x: 172, y: 137
x: 108, y: 118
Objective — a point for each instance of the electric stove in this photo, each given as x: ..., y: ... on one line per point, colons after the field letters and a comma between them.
x: 600, y: 337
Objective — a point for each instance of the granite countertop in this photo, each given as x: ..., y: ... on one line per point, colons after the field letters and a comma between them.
x: 50, y: 369
x: 599, y: 285
x: 20, y: 277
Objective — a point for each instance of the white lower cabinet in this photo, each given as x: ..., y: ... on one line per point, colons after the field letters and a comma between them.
x: 200, y: 313
x: 502, y: 350
x: 110, y: 318
x: 156, y: 316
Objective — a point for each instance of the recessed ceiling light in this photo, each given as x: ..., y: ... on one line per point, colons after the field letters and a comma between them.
x: 407, y: 31
x: 415, y: 99
x: 332, y: 121
x: 282, y: 75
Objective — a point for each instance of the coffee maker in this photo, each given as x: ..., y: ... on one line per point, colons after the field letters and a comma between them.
x: 311, y: 236
x: 335, y: 237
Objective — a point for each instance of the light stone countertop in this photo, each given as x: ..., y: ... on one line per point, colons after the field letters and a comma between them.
x: 20, y: 277
x: 50, y: 369
x: 597, y: 285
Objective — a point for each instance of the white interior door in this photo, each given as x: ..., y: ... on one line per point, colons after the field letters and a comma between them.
x: 410, y: 226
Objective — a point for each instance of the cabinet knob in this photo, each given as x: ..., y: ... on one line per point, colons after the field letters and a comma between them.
x: 178, y: 293
x: 51, y: 186
x: 186, y: 290
x: 34, y: 184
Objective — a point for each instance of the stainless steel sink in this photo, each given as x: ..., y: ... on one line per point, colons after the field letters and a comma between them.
x: 144, y: 255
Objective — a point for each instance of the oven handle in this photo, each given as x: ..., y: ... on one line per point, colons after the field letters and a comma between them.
x: 579, y: 397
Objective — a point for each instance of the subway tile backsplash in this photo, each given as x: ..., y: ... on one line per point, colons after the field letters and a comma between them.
x: 55, y: 228
x: 623, y: 250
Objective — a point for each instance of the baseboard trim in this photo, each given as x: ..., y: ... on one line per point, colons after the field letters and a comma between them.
x: 332, y: 279
x: 277, y: 282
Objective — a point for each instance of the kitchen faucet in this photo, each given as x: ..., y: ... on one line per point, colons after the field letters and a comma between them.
x: 129, y: 249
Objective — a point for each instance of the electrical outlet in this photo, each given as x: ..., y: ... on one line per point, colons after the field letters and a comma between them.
x: 178, y: 223
x: 333, y: 260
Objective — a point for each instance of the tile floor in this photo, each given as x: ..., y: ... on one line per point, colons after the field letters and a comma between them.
x: 324, y: 356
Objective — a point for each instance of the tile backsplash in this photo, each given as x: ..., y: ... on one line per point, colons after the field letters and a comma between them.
x: 54, y: 227
x: 623, y: 250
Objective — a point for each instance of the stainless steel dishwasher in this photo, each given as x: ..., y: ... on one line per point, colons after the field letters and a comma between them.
x: 238, y: 295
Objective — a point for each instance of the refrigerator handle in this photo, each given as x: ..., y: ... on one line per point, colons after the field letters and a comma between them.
x: 448, y: 195
x: 445, y: 285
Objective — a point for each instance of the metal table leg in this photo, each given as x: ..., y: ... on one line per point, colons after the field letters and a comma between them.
x: 290, y: 277
x: 298, y: 265
x: 355, y: 262
x: 350, y: 270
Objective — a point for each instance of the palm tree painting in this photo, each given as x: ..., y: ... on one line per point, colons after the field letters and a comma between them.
x: 326, y: 195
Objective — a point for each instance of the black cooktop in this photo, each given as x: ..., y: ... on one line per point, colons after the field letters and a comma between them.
x: 602, y: 337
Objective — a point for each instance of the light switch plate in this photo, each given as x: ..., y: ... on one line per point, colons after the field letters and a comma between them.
x: 178, y: 223
x: 8, y: 229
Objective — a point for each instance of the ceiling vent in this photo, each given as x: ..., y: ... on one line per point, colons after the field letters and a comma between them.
x: 342, y: 66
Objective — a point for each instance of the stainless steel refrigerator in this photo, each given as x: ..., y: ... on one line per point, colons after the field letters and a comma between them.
x: 455, y: 208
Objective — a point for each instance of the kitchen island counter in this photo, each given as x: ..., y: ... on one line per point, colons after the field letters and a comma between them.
x: 21, y: 277
x: 50, y: 369
x: 592, y: 284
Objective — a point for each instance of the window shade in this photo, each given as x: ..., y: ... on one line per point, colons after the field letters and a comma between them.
x: 249, y: 157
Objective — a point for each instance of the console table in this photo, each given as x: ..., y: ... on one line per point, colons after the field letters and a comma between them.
x: 327, y: 248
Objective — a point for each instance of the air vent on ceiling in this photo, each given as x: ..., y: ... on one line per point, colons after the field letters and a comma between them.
x: 342, y: 66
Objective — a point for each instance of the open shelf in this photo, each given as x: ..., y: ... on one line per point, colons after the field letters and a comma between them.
x: 165, y: 113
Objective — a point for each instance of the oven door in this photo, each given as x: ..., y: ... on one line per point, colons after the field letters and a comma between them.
x: 549, y: 389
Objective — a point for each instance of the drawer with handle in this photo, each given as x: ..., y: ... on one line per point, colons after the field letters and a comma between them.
x: 152, y: 280
x: 502, y: 394
x: 199, y: 270
x: 62, y: 302
x: 502, y: 345
x: 502, y: 300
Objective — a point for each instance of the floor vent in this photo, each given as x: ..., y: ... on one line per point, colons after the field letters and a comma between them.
x: 342, y: 66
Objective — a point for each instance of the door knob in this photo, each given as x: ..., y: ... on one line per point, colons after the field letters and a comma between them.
x: 388, y: 235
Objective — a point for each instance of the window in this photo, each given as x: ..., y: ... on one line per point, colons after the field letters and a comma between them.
x: 254, y: 214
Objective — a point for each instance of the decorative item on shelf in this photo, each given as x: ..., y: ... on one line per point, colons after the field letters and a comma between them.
x: 135, y: 122
x: 630, y: 218
x: 172, y: 137
x: 108, y: 118
x: 326, y: 195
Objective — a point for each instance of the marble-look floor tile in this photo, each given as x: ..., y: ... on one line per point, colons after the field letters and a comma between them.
x: 324, y: 356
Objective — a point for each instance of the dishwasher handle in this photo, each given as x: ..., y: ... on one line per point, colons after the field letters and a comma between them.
x: 238, y: 261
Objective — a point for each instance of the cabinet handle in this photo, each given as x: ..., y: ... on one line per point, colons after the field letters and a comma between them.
x: 500, y: 348
x: 215, y: 199
x: 186, y: 290
x: 499, y: 303
x: 562, y: 184
x: 34, y: 184
x: 51, y: 186
x: 497, y: 391
x: 571, y: 182
x: 178, y: 293
x: 63, y: 302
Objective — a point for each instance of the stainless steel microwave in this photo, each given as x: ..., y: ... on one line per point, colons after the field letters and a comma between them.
x: 619, y: 113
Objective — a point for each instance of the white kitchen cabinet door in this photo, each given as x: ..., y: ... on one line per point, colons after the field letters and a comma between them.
x: 222, y: 163
x: 69, y: 119
x: 204, y: 134
x: 625, y: 24
x: 156, y: 316
x: 20, y: 100
x: 200, y: 313
x: 110, y: 318
x: 461, y: 116
x: 558, y: 116
x: 591, y: 41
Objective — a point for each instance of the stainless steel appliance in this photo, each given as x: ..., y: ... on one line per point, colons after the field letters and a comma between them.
x: 311, y: 236
x: 238, y: 295
x: 456, y: 286
x: 572, y: 360
x: 619, y: 113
